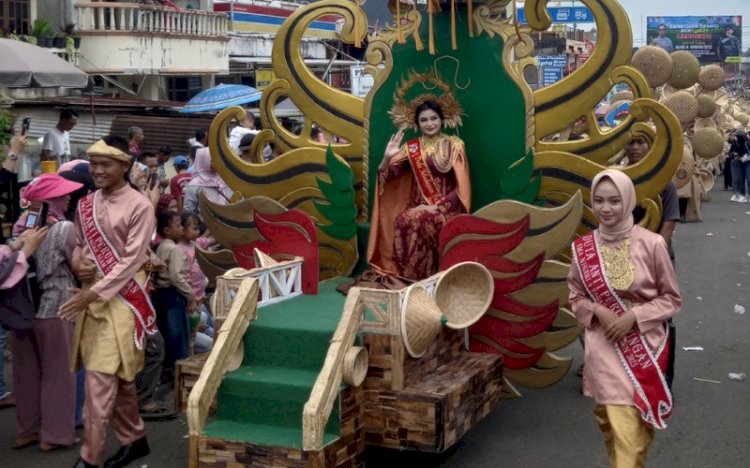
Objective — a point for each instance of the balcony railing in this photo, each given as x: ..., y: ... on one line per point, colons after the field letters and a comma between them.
x: 130, y: 18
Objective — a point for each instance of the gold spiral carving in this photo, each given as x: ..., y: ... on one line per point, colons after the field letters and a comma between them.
x: 560, y: 104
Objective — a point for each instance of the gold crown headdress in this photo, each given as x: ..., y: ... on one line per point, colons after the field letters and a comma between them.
x: 404, y: 113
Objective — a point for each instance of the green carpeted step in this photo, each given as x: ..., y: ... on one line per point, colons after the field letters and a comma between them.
x: 260, y: 381
x: 286, y: 348
x: 295, y: 333
x: 260, y: 434
x: 264, y: 395
x: 262, y: 401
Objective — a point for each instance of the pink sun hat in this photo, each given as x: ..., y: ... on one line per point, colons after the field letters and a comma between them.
x: 70, y: 165
x: 48, y: 186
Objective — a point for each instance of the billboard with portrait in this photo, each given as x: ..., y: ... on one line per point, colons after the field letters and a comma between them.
x: 710, y: 38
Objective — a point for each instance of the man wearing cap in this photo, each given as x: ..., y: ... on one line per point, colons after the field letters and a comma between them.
x: 113, y: 312
x: 179, y: 182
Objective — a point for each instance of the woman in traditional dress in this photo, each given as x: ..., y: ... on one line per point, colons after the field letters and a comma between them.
x: 420, y: 186
x: 623, y: 289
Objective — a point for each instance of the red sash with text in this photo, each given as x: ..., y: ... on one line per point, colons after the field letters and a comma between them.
x: 426, y: 183
x: 106, y: 257
x: 645, y: 368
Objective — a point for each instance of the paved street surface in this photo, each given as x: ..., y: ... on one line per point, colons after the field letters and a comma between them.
x: 555, y: 427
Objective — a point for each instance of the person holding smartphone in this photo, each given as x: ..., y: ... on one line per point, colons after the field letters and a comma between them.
x: 44, y: 384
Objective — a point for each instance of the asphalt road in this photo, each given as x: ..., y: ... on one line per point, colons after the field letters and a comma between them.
x: 555, y: 427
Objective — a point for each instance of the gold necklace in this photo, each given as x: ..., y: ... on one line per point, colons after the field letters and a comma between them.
x: 619, y: 269
x: 435, y: 146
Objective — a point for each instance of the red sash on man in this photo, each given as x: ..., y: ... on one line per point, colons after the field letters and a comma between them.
x: 426, y: 182
x: 133, y: 294
x: 645, y: 368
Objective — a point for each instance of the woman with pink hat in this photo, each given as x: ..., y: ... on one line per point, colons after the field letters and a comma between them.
x: 45, y: 387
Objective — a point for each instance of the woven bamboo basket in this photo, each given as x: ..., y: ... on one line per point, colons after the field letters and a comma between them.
x: 685, y: 69
x: 685, y: 169
x: 711, y: 77
x: 421, y: 320
x: 655, y: 64
x: 742, y: 118
x: 701, y: 123
x: 666, y: 91
x: 708, y: 143
x: 684, y: 105
x: 464, y: 294
x: 354, y: 370
x: 706, y: 105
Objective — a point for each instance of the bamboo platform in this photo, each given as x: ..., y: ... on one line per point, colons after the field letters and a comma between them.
x: 347, y: 451
x: 442, y: 396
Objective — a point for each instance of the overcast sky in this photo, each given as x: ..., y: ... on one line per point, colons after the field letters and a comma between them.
x: 638, y: 10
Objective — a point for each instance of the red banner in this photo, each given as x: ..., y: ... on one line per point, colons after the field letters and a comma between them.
x: 426, y: 183
x: 106, y: 257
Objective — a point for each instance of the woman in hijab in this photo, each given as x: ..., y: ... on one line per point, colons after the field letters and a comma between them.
x: 623, y: 290
x: 205, y: 180
x: 44, y: 384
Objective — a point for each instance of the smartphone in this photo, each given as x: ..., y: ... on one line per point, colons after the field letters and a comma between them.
x: 152, y: 180
x: 25, y: 126
x: 37, y: 215
x: 43, y: 215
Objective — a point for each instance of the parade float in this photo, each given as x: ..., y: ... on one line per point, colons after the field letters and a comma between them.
x: 302, y: 375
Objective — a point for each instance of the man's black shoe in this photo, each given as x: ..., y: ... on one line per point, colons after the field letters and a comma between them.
x: 81, y: 463
x: 128, y: 453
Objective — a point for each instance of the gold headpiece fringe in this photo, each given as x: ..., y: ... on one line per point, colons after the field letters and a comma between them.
x: 403, y: 114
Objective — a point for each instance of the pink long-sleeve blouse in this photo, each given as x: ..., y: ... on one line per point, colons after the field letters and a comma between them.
x: 655, y: 297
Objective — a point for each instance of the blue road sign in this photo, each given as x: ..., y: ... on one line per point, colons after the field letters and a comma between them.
x: 564, y: 15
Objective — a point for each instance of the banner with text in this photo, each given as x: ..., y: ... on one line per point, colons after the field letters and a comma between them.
x: 551, y: 68
x: 710, y: 38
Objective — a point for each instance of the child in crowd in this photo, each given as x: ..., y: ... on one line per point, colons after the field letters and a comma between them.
x: 191, y: 227
x: 174, y: 292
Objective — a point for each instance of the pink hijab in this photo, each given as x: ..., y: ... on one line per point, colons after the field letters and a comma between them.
x: 204, y: 175
x: 626, y: 189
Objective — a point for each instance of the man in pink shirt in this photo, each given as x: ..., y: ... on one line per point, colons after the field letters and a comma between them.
x: 113, y: 312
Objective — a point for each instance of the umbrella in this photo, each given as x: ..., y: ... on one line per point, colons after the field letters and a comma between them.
x: 26, y: 65
x: 220, y: 97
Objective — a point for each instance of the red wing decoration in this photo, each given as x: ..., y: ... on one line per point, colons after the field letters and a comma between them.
x: 287, y: 235
x: 471, y: 238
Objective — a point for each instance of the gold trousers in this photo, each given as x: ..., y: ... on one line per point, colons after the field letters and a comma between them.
x: 626, y: 435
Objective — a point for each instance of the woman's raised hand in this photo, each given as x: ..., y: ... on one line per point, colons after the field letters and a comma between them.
x: 394, y: 145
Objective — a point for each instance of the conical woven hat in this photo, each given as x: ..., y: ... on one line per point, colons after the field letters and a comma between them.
x: 706, y: 105
x: 684, y: 105
x: 711, y: 77
x: 263, y: 260
x: 685, y: 169
x: 421, y: 320
x: 655, y: 64
x: 708, y: 180
x: 464, y: 293
x: 685, y: 69
x: 742, y: 118
x: 708, y: 143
